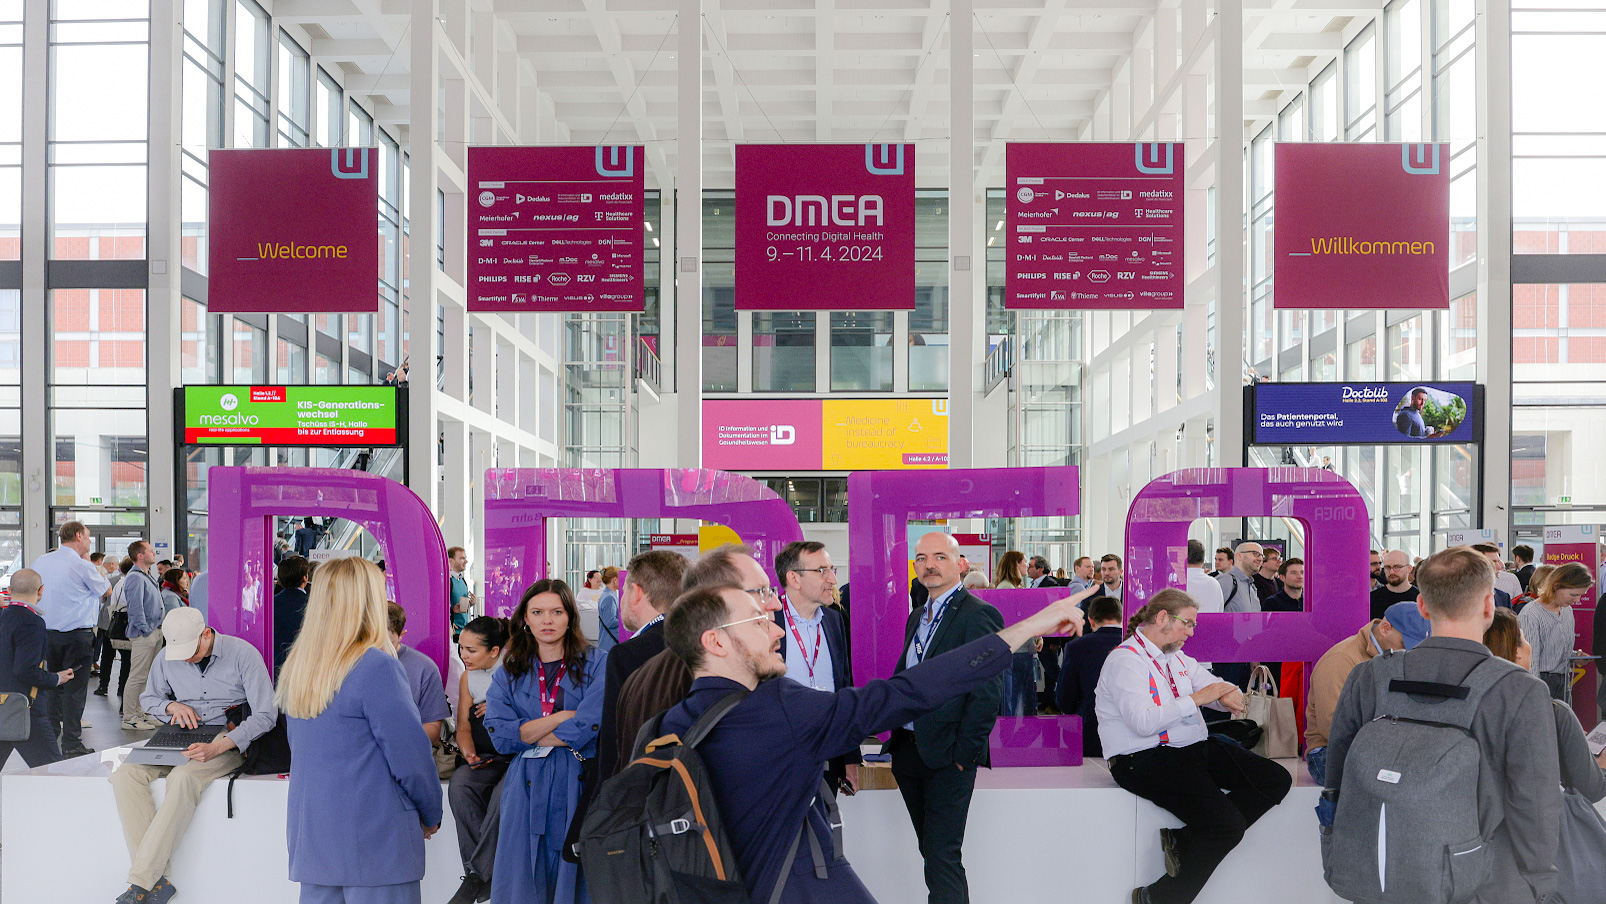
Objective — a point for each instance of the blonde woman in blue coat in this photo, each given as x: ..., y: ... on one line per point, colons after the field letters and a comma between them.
x: 544, y: 709
x: 364, y: 793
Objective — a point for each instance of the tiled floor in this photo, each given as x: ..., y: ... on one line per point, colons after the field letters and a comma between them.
x: 104, y: 715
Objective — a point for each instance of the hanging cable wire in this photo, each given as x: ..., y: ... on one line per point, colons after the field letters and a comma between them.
x: 640, y: 79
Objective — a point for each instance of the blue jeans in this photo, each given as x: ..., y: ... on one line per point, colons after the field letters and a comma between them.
x: 1316, y: 763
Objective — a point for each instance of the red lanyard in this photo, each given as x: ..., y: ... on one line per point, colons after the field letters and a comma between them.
x: 808, y: 661
x: 1167, y: 671
x: 549, y: 696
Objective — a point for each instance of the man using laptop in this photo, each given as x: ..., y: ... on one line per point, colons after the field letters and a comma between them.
x: 201, y: 675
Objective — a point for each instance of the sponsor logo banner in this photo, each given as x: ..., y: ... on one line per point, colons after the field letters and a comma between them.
x: 1093, y: 225
x: 825, y: 227
x: 293, y: 231
x: 556, y: 229
x: 1362, y: 226
x: 291, y: 415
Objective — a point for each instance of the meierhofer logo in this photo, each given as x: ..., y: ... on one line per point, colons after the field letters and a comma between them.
x: 815, y: 210
x: 782, y: 435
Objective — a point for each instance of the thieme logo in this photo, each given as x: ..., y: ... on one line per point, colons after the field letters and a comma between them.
x: 815, y: 210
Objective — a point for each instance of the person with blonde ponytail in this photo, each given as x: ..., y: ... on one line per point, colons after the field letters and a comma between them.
x: 364, y: 794
x: 1148, y: 700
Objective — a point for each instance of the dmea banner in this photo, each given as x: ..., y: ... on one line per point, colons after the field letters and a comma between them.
x: 1093, y: 225
x: 1346, y: 414
x: 825, y: 434
x: 1362, y: 226
x: 825, y: 227
x: 556, y: 229
x: 293, y: 231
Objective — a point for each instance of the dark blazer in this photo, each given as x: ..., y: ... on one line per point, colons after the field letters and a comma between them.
x: 22, y: 651
x: 836, y: 640
x: 1525, y: 574
x: 289, y: 611
x: 623, y: 660
x: 957, y: 731
x: 1079, y: 675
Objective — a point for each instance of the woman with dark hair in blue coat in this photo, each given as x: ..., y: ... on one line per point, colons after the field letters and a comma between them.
x: 364, y: 794
x: 544, y: 709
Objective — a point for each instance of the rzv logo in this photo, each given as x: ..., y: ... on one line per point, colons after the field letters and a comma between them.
x: 783, y: 435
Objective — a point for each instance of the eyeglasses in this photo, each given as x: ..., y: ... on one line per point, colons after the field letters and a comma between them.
x: 822, y: 571
x: 762, y: 593
x: 764, y: 617
x: 1188, y: 623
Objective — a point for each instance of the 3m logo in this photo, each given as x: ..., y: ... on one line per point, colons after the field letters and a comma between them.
x: 884, y: 159
x: 1420, y: 159
x: 783, y: 435
x: 1333, y: 513
x: 355, y: 166
x: 616, y: 162
x: 1155, y: 158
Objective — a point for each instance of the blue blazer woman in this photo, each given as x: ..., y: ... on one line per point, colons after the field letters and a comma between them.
x: 541, y: 794
x: 364, y: 786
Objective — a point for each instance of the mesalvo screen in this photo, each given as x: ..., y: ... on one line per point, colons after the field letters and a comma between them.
x: 1340, y: 414
x: 291, y: 415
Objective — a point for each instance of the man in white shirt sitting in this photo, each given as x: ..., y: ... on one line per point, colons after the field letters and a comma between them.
x: 1149, y: 695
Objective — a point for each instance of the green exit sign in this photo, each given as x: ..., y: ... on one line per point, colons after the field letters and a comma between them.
x: 1564, y: 500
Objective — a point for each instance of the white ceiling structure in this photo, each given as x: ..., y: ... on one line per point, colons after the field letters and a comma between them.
x: 605, y: 71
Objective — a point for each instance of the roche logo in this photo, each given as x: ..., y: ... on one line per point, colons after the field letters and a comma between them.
x: 558, y: 279
x: 229, y: 401
x: 1099, y: 276
x: 1025, y: 195
x: 487, y: 199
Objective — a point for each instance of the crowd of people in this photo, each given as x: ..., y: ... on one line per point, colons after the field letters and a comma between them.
x: 536, y: 716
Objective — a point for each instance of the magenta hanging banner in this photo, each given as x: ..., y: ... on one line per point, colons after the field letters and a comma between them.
x: 1092, y: 225
x: 556, y: 229
x: 825, y: 227
x: 293, y: 231
x: 1362, y: 226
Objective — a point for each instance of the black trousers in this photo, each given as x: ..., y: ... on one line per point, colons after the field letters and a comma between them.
x: 40, y: 749
x: 108, y: 654
x: 1218, y: 790
x: 938, y: 800
x: 69, y: 650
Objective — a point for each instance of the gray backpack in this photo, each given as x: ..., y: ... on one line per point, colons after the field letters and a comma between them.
x: 1406, y: 828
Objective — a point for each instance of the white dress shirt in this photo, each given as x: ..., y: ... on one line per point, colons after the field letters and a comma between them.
x: 1510, y: 583
x: 809, y: 662
x: 1137, y: 705
x: 1206, y: 591
x: 73, y: 588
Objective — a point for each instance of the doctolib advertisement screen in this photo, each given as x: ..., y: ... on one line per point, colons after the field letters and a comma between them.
x: 291, y: 415
x: 825, y: 434
x: 1329, y: 414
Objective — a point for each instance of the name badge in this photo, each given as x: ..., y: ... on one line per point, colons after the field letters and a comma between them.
x: 536, y: 753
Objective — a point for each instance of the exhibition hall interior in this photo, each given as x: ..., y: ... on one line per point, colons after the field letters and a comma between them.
x: 822, y: 451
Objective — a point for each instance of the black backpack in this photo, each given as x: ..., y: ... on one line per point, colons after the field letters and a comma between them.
x: 267, y: 755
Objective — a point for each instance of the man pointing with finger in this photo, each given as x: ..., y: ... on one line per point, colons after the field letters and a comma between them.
x: 201, y: 676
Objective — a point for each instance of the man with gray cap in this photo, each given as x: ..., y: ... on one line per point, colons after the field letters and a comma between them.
x: 1401, y: 628
x: 200, y: 676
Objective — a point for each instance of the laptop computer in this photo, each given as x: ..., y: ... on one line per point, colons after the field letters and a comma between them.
x: 167, y: 746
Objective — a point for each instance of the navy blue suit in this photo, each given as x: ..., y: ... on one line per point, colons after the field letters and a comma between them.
x: 22, y: 658
x: 765, y: 757
x: 364, y: 783
x: 1079, y: 675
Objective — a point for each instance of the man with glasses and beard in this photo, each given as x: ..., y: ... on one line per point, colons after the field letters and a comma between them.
x: 779, y: 736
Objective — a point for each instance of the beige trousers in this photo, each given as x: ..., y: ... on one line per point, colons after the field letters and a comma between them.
x: 152, y: 833
x: 139, y: 669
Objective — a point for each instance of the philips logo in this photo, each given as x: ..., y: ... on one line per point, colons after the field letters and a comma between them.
x: 815, y: 210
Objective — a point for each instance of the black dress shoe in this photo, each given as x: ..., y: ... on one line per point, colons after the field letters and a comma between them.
x: 1141, y: 896
x: 1173, y: 859
x: 100, y: 692
x: 469, y: 891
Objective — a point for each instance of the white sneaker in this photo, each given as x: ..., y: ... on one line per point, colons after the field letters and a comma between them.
x: 85, y: 723
x: 138, y: 725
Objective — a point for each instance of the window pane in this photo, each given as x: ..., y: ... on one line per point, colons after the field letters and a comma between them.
x: 783, y: 351
x: 99, y: 456
x: 250, y: 353
x: 98, y: 337
x: 192, y: 342
x: 861, y: 351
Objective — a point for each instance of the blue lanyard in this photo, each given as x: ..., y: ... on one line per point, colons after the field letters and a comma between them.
x: 651, y: 623
x: 936, y: 619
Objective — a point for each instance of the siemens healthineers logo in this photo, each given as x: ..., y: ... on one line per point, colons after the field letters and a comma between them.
x: 1416, y: 160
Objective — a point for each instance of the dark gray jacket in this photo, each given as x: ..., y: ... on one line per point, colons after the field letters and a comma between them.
x: 1519, y: 788
x: 1579, y: 771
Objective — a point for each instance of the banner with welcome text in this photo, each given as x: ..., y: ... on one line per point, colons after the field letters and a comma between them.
x: 293, y: 230
x: 1362, y: 226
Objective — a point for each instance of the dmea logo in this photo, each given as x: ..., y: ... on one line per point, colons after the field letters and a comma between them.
x: 1155, y: 158
x: 355, y: 157
x: 616, y: 162
x: 783, y: 435
x: 884, y: 159
x: 815, y: 210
